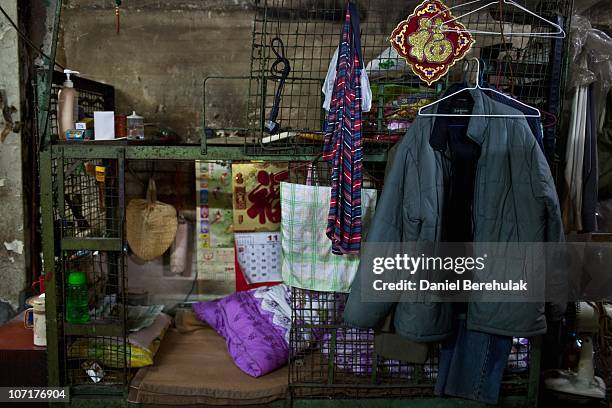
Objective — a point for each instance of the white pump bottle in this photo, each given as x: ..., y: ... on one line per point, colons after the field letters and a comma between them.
x: 67, y: 105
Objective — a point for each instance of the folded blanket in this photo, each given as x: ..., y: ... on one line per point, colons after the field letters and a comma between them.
x: 110, y: 351
x: 255, y: 325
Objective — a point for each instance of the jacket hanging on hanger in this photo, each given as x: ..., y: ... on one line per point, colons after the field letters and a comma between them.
x: 522, y: 208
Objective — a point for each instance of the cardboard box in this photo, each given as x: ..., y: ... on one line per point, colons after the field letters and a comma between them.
x: 79, y: 134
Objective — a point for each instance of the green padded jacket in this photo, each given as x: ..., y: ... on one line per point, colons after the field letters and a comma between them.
x: 514, y: 201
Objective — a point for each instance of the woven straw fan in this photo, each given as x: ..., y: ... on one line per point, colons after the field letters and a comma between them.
x: 151, y: 225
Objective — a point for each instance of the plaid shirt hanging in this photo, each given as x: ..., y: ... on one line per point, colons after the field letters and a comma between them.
x: 343, y: 145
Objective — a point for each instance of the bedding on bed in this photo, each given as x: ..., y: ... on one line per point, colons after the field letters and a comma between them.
x: 255, y: 325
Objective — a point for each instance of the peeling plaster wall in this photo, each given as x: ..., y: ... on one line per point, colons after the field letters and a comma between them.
x: 160, y: 59
x: 12, y: 259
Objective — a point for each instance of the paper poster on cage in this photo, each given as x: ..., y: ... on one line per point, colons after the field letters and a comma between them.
x: 215, y: 238
x: 256, y: 189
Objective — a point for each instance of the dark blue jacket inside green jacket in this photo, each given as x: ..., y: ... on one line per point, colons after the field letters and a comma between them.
x: 514, y: 200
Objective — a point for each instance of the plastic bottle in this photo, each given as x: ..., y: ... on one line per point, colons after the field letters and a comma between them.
x: 67, y: 105
x: 77, y: 299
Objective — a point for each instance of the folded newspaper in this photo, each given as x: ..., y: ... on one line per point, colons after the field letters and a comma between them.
x: 138, y: 317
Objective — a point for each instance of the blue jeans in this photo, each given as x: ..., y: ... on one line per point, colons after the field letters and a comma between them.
x: 472, y: 365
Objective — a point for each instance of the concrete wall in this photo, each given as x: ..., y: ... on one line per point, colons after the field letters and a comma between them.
x: 164, y: 51
x: 12, y: 236
x: 598, y: 11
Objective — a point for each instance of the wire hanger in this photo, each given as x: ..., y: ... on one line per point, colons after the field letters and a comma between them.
x: 560, y: 33
x: 478, y: 87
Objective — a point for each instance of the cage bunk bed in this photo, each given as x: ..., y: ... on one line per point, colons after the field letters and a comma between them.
x: 84, y: 215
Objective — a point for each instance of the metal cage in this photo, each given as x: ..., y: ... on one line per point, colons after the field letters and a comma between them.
x: 82, y: 216
x: 89, y: 208
x: 531, y: 68
x: 87, y: 200
x: 332, y: 360
x: 329, y: 359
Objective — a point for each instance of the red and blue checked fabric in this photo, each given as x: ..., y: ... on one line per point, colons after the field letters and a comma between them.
x: 343, y: 144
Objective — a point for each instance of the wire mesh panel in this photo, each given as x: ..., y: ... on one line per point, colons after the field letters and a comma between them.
x: 331, y: 360
x: 96, y: 360
x: 102, y: 359
x: 318, y: 173
x: 87, y: 200
x: 528, y: 67
x: 89, y: 102
x: 91, y: 275
x: 87, y: 192
x: 91, y: 195
x: 105, y: 282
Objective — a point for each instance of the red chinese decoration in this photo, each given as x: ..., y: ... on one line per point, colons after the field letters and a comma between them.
x: 266, y: 197
x: 430, y: 42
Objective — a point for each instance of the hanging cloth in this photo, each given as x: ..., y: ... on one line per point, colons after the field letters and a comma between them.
x: 574, y: 158
x: 343, y: 144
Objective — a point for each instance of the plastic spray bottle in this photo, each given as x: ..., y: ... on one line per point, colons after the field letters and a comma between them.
x: 67, y: 105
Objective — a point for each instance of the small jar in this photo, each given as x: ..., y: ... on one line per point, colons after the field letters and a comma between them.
x: 135, y: 127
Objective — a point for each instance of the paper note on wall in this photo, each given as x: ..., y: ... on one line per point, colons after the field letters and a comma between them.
x: 215, y: 238
x: 256, y: 189
x: 259, y: 256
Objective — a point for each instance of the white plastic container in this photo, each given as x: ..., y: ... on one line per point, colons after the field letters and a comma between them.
x: 67, y: 105
x: 39, y: 325
x: 135, y: 127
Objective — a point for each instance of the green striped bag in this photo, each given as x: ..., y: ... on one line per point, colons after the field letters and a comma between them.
x: 307, y: 259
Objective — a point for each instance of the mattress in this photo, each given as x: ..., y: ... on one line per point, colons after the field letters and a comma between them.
x: 194, y: 368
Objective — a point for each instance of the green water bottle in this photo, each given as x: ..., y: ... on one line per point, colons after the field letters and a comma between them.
x: 77, y: 299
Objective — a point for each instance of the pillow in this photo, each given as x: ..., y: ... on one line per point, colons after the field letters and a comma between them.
x: 255, y: 325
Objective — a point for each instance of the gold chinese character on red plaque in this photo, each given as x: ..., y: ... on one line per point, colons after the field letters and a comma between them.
x: 431, y: 40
